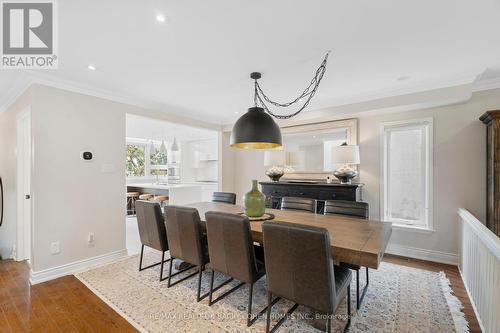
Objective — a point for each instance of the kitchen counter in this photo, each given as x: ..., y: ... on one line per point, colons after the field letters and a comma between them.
x: 179, y: 194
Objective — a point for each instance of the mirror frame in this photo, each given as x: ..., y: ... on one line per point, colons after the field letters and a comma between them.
x: 351, y: 126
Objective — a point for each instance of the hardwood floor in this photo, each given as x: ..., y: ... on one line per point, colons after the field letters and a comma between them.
x: 61, y: 305
x: 67, y: 305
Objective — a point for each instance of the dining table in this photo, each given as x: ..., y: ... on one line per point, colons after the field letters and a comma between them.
x: 353, y: 240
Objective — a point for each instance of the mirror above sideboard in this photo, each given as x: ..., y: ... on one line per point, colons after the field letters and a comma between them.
x: 309, y: 147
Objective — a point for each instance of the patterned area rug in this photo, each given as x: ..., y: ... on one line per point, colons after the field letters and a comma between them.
x: 399, y: 299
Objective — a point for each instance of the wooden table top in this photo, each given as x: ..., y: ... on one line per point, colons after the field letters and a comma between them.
x: 354, y: 241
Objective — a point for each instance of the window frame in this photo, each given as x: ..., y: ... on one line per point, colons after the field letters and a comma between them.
x: 147, y: 156
x: 385, y: 127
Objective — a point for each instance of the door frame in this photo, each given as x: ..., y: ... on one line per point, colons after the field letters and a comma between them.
x: 24, y: 175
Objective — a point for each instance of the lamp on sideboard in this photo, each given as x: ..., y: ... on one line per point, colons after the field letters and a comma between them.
x: 275, y: 159
x: 347, y: 155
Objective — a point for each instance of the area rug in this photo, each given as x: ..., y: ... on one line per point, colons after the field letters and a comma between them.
x: 399, y: 299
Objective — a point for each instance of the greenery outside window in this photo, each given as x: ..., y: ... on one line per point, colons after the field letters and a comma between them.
x: 135, y: 160
x: 141, y: 161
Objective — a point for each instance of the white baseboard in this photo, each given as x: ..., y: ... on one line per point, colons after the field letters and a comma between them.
x: 424, y: 254
x: 75, y: 267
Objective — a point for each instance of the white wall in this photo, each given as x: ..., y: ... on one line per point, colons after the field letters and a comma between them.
x: 72, y: 197
x: 8, y: 172
x: 459, y: 169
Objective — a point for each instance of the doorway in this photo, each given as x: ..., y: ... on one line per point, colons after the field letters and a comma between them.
x: 24, y: 207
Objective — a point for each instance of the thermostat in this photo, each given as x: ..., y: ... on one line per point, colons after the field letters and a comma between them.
x: 87, y: 155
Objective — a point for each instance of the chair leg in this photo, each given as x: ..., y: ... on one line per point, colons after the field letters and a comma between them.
x: 140, y: 260
x: 170, y: 275
x: 161, y: 266
x: 250, y: 292
x: 153, y: 265
x: 357, y: 289
x: 282, y: 320
x: 348, y: 309
x: 170, y: 272
x: 211, y: 287
x: 268, y: 315
x: 199, y: 283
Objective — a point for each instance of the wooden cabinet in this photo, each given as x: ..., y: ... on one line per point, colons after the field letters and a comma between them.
x: 492, y: 121
x: 274, y: 191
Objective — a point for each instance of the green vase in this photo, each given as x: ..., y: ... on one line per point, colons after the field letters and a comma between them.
x: 254, y: 201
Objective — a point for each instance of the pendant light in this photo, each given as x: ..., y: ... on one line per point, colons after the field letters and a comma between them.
x: 152, y: 148
x: 163, y: 148
x: 256, y: 129
x: 175, y: 146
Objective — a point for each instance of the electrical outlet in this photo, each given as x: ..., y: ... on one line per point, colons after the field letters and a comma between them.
x: 55, y: 248
x: 91, y: 238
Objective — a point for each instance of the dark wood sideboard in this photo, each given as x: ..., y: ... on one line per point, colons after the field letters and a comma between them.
x: 492, y: 121
x: 274, y: 191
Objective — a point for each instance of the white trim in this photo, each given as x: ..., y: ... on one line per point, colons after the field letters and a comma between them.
x: 429, y: 122
x: 412, y: 228
x: 489, y: 239
x: 489, y: 84
x: 423, y: 254
x: 24, y: 229
x: 75, y: 267
x: 471, y: 301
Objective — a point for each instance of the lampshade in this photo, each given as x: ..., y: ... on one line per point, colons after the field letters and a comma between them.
x: 256, y: 129
x: 274, y: 158
x: 163, y: 148
x: 152, y: 148
x: 175, y: 146
x: 345, y: 154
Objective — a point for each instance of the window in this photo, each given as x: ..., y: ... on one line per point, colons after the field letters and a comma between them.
x: 141, y: 161
x: 158, y: 163
x: 135, y: 160
x: 407, y: 173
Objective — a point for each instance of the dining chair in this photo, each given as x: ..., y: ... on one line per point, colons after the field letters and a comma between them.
x: 296, y: 203
x: 354, y: 209
x: 151, y: 231
x: 232, y: 253
x: 299, y: 268
x: 186, y: 242
x: 225, y: 197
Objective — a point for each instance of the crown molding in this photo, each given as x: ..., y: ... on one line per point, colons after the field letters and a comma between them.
x: 489, y: 84
x: 30, y: 77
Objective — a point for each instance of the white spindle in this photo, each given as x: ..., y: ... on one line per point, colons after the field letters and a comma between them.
x: 480, y: 269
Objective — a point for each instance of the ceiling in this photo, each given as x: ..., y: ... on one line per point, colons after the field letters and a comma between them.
x: 197, y: 63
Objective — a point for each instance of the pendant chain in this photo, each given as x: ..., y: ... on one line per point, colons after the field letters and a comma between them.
x: 260, y: 97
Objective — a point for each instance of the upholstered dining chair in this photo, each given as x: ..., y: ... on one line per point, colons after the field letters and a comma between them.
x: 232, y: 253
x: 355, y: 209
x: 295, y: 203
x: 151, y: 231
x: 186, y: 242
x: 225, y: 197
x: 307, y: 278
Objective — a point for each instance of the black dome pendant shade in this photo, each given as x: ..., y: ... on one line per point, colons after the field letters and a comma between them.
x: 256, y: 129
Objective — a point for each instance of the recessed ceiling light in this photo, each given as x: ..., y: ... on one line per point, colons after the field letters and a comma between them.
x: 91, y: 67
x: 403, y: 78
x: 236, y: 112
x: 161, y: 18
